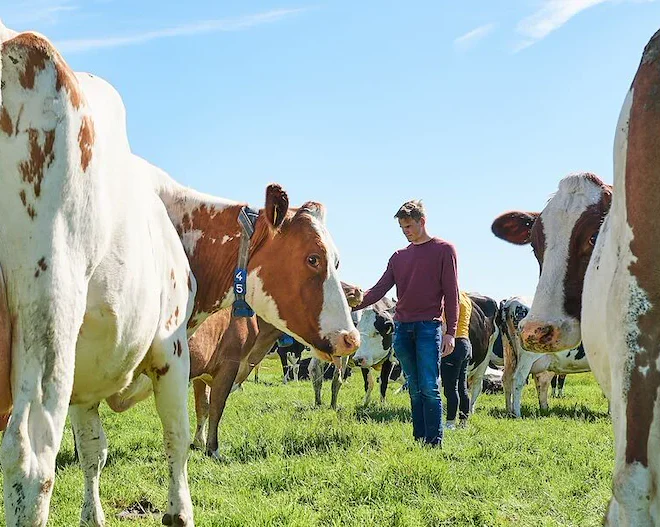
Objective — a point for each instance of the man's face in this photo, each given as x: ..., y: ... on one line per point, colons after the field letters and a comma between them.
x: 413, y: 230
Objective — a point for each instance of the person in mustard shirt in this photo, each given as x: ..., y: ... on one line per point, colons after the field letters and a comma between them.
x: 453, y: 368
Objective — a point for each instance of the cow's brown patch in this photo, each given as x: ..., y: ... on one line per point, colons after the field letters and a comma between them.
x: 41, y: 156
x: 176, y: 314
x: 46, y: 486
x: 5, y: 121
x: 86, y: 137
x: 67, y: 79
x: 160, y: 372
x: 537, y: 240
x: 38, y: 52
x: 178, y: 348
x: 23, y: 197
x: 642, y: 182
x: 189, y: 282
x: 42, y: 263
x: 31, y: 212
x: 213, y: 269
x: 580, y: 248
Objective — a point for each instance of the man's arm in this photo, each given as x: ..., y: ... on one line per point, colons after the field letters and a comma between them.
x: 449, y: 284
x: 381, y: 288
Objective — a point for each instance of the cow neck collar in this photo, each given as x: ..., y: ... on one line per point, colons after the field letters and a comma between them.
x: 247, y: 218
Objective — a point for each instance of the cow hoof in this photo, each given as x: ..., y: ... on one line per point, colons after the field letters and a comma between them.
x: 178, y: 520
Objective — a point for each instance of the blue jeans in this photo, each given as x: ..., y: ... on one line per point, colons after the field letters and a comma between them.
x: 418, y: 347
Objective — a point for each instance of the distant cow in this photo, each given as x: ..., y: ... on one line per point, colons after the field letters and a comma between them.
x: 377, y: 325
x: 519, y: 363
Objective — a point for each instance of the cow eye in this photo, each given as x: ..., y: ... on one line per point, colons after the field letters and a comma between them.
x: 314, y: 260
x: 592, y: 240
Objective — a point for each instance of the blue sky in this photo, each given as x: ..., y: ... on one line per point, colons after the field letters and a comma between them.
x: 477, y: 107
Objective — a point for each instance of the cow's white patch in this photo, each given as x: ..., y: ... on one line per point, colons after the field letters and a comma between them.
x: 190, y: 239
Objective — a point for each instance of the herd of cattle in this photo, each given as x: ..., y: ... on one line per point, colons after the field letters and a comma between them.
x: 117, y: 282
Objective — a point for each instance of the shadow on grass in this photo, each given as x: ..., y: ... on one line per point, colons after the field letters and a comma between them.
x: 66, y: 457
x: 577, y: 411
x: 382, y: 414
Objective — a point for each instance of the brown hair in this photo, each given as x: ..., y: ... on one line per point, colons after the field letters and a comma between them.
x: 413, y: 209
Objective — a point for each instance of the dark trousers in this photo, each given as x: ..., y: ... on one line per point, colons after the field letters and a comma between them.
x: 454, y: 379
x: 417, y: 345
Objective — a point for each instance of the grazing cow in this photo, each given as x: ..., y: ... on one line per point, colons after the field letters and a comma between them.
x: 98, y: 287
x: 377, y: 325
x: 519, y: 363
x: 557, y: 383
x: 598, y: 249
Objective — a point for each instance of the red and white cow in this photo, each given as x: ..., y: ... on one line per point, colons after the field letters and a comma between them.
x: 519, y: 363
x: 96, y: 276
x: 599, y: 283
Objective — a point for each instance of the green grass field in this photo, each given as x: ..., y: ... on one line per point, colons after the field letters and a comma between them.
x: 289, y: 463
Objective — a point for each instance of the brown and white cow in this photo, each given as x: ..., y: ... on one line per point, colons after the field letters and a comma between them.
x: 96, y: 277
x: 602, y: 285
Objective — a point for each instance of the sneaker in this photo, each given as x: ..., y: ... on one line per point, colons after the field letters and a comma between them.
x: 450, y: 425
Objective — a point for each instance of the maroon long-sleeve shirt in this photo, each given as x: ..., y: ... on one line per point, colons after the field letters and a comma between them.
x: 424, y: 275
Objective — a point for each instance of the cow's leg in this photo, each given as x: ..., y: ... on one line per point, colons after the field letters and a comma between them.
x: 510, y: 362
x: 296, y: 371
x: 369, y: 386
x: 220, y: 390
x: 201, y: 391
x: 553, y: 384
x: 282, y: 354
x: 475, y: 382
x: 256, y: 373
x: 542, y: 381
x: 337, y: 382
x: 316, y: 371
x: 520, y: 375
x: 92, y: 448
x: 385, y: 379
x: 560, y: 382
x: 170, y: 374
x: 46, y: 330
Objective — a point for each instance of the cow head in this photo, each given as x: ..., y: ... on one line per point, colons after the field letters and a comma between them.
x: 293, y: 280
x: 511, y: 312
x: 376, y: 327
x: 562, y: 236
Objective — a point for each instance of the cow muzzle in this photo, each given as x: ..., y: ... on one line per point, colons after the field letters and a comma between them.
x: 346, y: 342
x: 540, y: 336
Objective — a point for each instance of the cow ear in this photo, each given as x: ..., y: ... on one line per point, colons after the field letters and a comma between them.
x: 389, y: 328
x: 277, y: 205
x: 313, y: 209
x: 514, y: 227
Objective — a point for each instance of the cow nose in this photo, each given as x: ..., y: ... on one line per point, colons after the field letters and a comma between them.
x: 347, y: 342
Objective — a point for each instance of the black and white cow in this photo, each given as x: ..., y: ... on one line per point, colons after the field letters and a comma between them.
x: 519, y: 363
x: 290, y: 353
x: 376, y: 327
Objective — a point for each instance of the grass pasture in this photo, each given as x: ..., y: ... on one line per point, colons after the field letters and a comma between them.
x: 289, y: 463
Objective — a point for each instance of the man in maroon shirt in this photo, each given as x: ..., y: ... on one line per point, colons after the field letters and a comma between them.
x: 425, y: 275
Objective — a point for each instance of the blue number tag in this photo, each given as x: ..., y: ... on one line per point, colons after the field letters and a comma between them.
x: 240, y: 281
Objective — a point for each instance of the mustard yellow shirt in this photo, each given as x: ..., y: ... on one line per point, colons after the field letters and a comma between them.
x: 464, y: 314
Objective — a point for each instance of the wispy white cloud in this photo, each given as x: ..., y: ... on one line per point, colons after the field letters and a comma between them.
x: 37, y: 12
x: 551, y: 15
x: 194, y: 28
x: 470, y: 39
